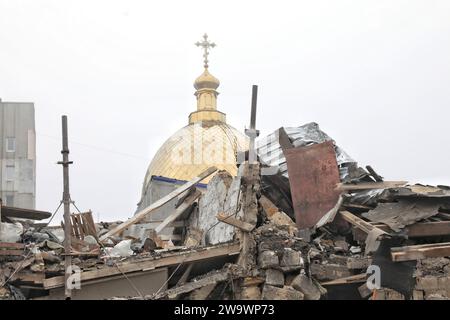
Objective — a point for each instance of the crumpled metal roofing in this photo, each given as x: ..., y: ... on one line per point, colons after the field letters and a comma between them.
x: 270, y: 152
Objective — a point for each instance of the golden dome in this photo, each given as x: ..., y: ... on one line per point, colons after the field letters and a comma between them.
x: 206, y: 81
x: 207, y: 141
x: 195, y: 148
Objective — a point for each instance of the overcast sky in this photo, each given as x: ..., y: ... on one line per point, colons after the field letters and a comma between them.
x: 375, y: 75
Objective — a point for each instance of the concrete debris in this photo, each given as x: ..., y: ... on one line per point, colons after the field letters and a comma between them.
x: 404, y: 212
x: 122, y: 249
x: 10, y: 232
x: 274, y: 278
x: 268, y: 259
x: 305, y: 285
x: 284, y: 293
x: 243, y: 237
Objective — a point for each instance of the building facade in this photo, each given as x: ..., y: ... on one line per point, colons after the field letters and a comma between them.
x: 17, y: 154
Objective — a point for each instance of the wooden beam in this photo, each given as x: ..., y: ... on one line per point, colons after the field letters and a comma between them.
x: 35, y: 277
x: 231, y: 220
x: 360, y: 223
x: 13, y: 212
x: 193, y: 285
x: 359, y: 207
x: 251, y: 179
x: 151, y: 209
x: 188, y: 202
x: 369, y: 185
x: 150, y: 263
x: 417, y: 230
x: 375, y: 175
x: 11, y: 245
x: 351, y: 279
x: 424, y: 229
x: 183, y: 279
x: 418, y: 252
x: 11, y: 252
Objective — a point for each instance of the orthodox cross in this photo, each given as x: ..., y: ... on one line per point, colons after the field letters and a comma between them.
x: 205, y: 44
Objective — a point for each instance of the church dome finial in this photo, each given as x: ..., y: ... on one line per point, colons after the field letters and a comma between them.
x: 206, y: 81
x: 206, y: 85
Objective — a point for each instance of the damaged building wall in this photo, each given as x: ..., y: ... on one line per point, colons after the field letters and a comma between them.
x: 221, y: 196
x: 157, y: 189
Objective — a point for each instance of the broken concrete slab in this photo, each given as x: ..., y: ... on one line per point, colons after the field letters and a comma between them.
x: 250, y: 293
x: 305, y: 285
x: 285, y: 293
x: 398, y: 215
x: 274, y: 278
x: 291, y: 259
x: 329, y: 271
x: 268, y: 259
x: 358, y: 262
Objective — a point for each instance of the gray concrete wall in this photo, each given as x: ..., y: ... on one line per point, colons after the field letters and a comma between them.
x: 155, y: 191
x: 147, y: 283
x: 18, y: 168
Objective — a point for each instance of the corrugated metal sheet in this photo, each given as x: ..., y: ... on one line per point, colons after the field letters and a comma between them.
x: 270, y: 152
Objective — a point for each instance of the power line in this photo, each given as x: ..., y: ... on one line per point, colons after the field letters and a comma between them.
x: 98, y: 148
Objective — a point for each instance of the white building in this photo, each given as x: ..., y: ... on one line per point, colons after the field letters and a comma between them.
x: 17, y: 154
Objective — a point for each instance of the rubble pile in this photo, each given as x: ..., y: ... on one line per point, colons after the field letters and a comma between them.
x: 304, y: 222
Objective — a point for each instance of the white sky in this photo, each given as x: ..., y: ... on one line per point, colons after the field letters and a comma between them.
x: 374, y: 74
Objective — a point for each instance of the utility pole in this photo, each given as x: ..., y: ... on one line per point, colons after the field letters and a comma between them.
x: 66, y: 200
x: 252, y: 132
x: 250, y: 183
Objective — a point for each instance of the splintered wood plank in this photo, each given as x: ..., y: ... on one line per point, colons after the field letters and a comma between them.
x: 370, y: 185
x: 251, y: 182
x: 11, y: 245
x: 424, y: 229
x: 11, y: 252
x: 35, y: 277
x: 417, y: 230
x: 191, y: 286
x: 222, y: 217
x: 151, y: 209
x: 188, y: 202
x: 12, y: 212
x: 360, y: 223
x: 418, y: 252
x: 351, y: 279
x: 75, y: 231
x: 89, y: 222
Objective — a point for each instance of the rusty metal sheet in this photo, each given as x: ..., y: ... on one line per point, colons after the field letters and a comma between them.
x: 313, y: 175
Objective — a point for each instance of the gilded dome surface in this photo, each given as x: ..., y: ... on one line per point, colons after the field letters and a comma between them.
x: 206, y: 81
x: 195, y: 148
